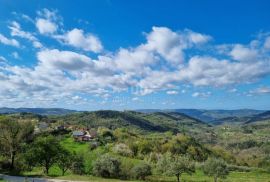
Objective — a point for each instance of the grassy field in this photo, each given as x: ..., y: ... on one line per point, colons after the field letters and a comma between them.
x: 83, y: 149
x: 253, y: 176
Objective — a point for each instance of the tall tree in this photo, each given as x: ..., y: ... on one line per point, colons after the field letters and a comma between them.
x: 44, y: 151
x: 65, y: 160
x: 216, y: 168
x: 13, y: 134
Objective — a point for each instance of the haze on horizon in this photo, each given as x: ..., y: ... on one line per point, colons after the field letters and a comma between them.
x: 116, y: 55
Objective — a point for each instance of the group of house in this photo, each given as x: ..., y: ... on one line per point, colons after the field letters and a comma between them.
x: 84, y: 135
x: 79, y: 135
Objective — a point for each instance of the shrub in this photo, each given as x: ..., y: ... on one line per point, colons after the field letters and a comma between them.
x: 122, y: 149
x: 140, y: 171
x: 93, y: 145
x: 107, y: 166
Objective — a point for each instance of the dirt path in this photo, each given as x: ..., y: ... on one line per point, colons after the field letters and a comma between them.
x: 30, y: 179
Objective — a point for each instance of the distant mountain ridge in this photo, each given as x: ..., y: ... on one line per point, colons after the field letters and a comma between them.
x: 210, y: 116
x: 207, y: 116
x: 41, y: 111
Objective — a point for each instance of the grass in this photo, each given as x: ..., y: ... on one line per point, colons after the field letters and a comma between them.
x: 90, y: 178
x: 254, y: 176
x: 70, y: 144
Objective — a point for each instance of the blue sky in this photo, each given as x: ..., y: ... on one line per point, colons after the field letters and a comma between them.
x: 90, y: 55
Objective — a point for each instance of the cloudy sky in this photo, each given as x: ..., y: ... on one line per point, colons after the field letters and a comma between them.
x: 110, y: 54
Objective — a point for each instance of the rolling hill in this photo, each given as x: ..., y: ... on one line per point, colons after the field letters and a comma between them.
x: 210, y: 116
x: 147, y: 122
x: 41, y: 111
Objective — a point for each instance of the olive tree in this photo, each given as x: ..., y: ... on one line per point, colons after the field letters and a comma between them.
x: 175, y: 165
x: 140, y: 171
x: 216, y: 168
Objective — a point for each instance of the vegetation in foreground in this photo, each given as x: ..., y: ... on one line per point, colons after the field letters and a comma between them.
x: 134, y: 146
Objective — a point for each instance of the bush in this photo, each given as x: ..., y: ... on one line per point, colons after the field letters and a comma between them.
x: 107, y: 166
x: 140, y: 171
x: 93, y: 145
x: 122, y: 149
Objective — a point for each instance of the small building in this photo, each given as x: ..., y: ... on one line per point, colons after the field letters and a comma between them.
x: 81, y: 135
x: 61, y: 127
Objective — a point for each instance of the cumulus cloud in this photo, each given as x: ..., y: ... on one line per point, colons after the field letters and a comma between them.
x: 209, y: 71
x: 7, y: 41
x: 17, y: 31
x: 170, y: 45
x: 78, y: 39
x: 63, y: 60
x: 267, y: 43
x: 46, y: 22
x: 242, y: 53
x: 45, y: 26
x: 166, y: 60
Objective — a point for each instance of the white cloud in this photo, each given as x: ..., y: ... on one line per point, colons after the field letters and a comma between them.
x: 261, y: 90
x: 135, y: 99
x: 162, y: 63
x: 170, y: 45
x: 63, y: 60
x: 6, y: 41
x: 172, y: 92
x: 78, y: 39
x: 15, y: 55
x: 201, y: 94
x: 209, y: 71
x: 241, y: 53
x: 2, y: 58
x: 45, y: 26
x: 47, y: 21
x: 17, y: 31
x: 267, y: 43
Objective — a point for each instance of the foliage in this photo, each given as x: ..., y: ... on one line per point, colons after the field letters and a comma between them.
x: 175, y: 165
x: 13, y: 134
x: 78, y: 166
x: 216, y: 168
x: 107, y: 166
x: 64, y: 160
x: 140, y: 171
x: 122, y: 149
x: 44, y: 151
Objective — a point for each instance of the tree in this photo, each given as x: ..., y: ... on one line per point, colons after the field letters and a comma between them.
x: 140, y: 171
x: 13, y: 134
x: 44, y: 151
x: 107, y: 166
x: 78, y: 166
x: 175, y: 165
x: 216, y: 168
x: 180, y: 165
x: 65, y: 160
